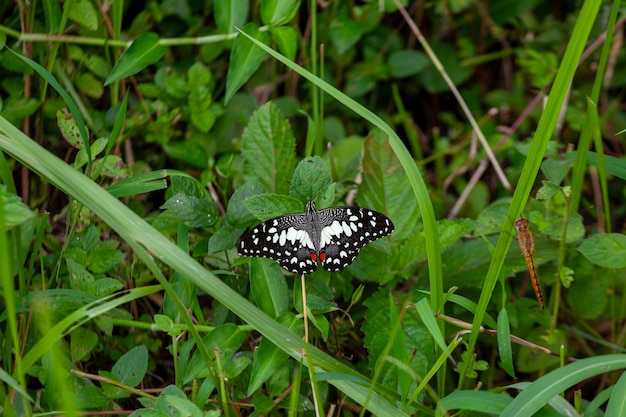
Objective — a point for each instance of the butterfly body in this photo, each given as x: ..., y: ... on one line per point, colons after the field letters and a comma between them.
x: 332, y: 236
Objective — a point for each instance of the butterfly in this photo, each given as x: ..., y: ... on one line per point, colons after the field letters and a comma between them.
x: 332, y: 236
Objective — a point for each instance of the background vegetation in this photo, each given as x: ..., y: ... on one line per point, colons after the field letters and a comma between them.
x: 140, y: 139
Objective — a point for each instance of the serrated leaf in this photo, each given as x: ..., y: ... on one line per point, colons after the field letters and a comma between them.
x: 385, y: 187
x: 245, y: 59
x: 84, y: 13
x: 82, y: 342
x: 80, y: 278
x: 103, y: 259
x: 267, y: 206
x: 310, y: 178
x: 230, y: 14
x: 107, y: 286
x: 269, y: 149
x: 607, y: 250
x: 144, y: 51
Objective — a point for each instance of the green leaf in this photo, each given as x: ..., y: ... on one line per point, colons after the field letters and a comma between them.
x: 345, y: 33
x: 89, y: 85
x: 607, y: 250
x: 16, y: 109
x: 192, y: 211
x: 132, y: 366
x: 245, y: 59
x: 107, y: 286
x: 84, y: 13
x: 102, y: 259
x: 226, y: 339
x: 237, y: 214
x: 82, y: 342
x: 539, y: 392
x: 80, y: 278
x: 310, y: 178
x: 278, y: 12
x: 144, y: 51
x: 287, y: 40
x: 269, y: 149
x: 385, y: 187
x: 406, y: 63
x: 229, y: 14
x: 268, y: 286
x: 267, y: 206
x: 504, y: 342
x: 269, y: 357
x: 69, y: 129
x: 617, y: 403
x: 15, y: 212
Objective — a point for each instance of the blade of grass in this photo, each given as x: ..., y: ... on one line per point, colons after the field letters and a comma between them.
x: 530, y: 169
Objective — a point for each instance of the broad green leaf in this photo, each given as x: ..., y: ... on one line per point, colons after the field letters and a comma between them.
x: 344, y: 33
x: 84, y: 13
x: 269, y: 149
x: 245, y: 59
x: 15, y: 212
x: 385, y: 187
x: 406, y: 63
x: 225, y: 339
x: 237, y: 214
x: 144, y: 51
x: 489, y: 403
x: 269, y: 357
x: 310, y: 178
x: 132, y: 366
x: 268, y: 286
x: 82, y: 342
x: 607, y: 250
x: 267, y: 206
x: 89, y: 85
x: 230, y: 14
x: 102, y: 259
x: 107, y: 286
x: 16, y: 109
x: 278, y: 12
x: 80, y: 278
x: 286, y: 39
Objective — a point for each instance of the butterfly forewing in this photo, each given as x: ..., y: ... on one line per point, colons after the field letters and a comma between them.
x: 284, y: 239
x: 345, y: 230
x: 291, y: 239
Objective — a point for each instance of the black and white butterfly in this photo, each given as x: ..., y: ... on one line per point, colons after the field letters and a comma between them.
x: 332, y: 236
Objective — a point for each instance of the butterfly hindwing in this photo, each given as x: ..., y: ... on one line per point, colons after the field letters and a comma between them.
x: 284, y: 239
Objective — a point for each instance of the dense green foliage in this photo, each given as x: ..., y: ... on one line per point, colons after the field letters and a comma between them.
x: 181, y: 124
